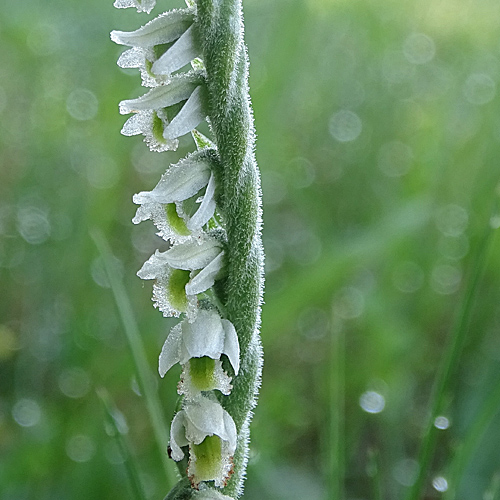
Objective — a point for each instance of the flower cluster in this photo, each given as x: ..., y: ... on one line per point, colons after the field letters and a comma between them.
x: 183, y: 206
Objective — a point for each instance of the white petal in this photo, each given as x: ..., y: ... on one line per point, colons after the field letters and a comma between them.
x: 178, y: 435
x: 203, y: 337
x: 207, y: 208
x: 231, y: 345
x: 183, y: 51
x: 180, y: 181
x: 231, y: 434
x: 154, y: 267
x: 178, y: 89
x: 207, y: 418
x: 142, y: 123
x: 163, y: 29
x: 206, y: 277
x: 192, y: 254
x: 170, y: 352
x: 188, y: 118
x: 132, y: 58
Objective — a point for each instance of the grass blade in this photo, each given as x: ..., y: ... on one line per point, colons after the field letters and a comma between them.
x: 130, y: 465
x: 139, y: 357
x: 448, y: 366
x: 336, y: 469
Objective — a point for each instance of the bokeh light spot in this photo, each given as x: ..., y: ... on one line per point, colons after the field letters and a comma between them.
x: 345, y: 126
x: 479, y: 89
x: 80, y: 448
x: 26, y: 412
x: 440, y: 484
x: 82, y: 104
x: 372, y: 402
x: 419, y: 48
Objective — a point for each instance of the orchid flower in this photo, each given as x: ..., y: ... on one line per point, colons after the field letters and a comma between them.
x: 198, y: 347
x: 165, y: 204
x: 182, y: 272
x: 211, y: 435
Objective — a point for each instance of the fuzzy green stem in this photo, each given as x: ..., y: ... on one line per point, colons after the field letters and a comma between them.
x: 224, y: 54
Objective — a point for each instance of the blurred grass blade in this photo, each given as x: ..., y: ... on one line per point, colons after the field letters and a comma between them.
x: 480, y: 424
x: 139, y: 356
x: 336, y: 469
x: 124, y: 447
x: 374, y: 473
x: 450, y: 362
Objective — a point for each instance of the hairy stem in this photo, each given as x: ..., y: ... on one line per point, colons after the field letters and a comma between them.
x: 226, y: 64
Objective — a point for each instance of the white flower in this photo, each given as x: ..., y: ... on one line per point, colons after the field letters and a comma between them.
x: 182, y: 272
x: 198, y: 346
x: 165, y: 206
x: 210, y: 432
x: 162, y: 46
x: 150, y: 118
x: 141, y: 5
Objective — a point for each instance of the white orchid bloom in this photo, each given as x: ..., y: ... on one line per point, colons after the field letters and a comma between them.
x: 198, y: 347
x: 162, y: 46
x: 150, y: 111
x: 210, y: 433
x: 182, y: 272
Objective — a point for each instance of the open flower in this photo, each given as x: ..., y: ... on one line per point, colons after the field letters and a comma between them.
x: 198, y: 347
x: 172, y: 204
x: 210, y: 433
x: 157, y: 115
x: 182, y: 272
x: 162, y: 46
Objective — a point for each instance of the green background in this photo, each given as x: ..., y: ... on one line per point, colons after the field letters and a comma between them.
x: 374, y: 220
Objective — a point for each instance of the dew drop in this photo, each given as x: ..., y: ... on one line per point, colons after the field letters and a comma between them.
x: 372, y: 402
x: 26, y: 412
x: 82, y: 104
x: 441, y: 423
x: 440, y: 484
x: 345, y: 126
x: 419, y: 48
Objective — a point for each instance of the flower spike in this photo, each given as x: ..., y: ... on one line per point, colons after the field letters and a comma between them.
x: 207, y: 206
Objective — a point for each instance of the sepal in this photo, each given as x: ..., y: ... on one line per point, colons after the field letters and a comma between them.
x: 165, y: 28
